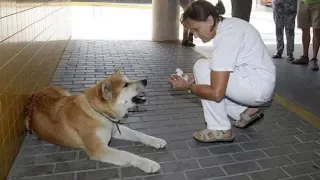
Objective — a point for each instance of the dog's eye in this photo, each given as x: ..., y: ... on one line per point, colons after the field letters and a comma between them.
x: 126, y: 85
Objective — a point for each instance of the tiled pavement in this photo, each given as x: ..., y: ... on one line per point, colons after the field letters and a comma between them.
x: 281, y: 146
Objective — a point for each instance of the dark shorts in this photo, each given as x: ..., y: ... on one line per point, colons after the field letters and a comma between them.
x: 308, y: 15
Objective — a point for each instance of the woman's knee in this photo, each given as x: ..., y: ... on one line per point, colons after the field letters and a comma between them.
x: 201, y: 65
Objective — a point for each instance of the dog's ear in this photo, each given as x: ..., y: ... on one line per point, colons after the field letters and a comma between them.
x: 118, y: 71
x: 106, y: 89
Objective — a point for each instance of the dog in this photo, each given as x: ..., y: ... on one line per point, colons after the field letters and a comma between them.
x: 89, y: 120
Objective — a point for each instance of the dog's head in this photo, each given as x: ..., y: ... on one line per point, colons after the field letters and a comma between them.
x: 118, y: 94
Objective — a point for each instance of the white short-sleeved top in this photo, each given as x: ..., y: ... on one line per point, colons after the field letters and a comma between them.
x: 238, y: 44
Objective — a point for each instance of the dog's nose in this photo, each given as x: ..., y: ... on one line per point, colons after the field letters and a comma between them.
x: 144, y: 82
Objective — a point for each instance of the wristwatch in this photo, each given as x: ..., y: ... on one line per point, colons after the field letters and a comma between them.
x: 190, y: 88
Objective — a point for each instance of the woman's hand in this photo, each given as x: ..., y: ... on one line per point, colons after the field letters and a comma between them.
x: 178, y: 82
x: 191, y: 79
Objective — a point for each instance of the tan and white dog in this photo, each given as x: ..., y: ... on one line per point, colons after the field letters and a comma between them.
x: 87, y: 120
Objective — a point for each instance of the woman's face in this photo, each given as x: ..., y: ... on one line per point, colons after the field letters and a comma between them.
x: 202, y: 29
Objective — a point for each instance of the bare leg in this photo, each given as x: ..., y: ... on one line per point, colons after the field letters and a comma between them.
x: 315, y: 42
x: 304, y: 59
x: 305, y: 41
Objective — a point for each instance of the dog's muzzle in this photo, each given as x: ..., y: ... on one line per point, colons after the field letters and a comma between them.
x: 144, y: 82
x: 140, y: 98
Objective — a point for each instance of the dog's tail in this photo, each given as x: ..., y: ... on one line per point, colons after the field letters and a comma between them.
x: 27, y: 123
x: 28, y: 113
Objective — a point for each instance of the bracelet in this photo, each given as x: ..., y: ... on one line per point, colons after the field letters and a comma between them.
x: 190, y: 88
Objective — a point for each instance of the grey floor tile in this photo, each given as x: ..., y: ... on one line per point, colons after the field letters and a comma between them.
x: 284, y: 141
x: 309, y: 129
x: 55, y: 158
x: 176, y: 145
x: 38, y: 150
x: 274, y: 162
x: 181, y: 165
x: 315, y: 176
x: 242, y: 167
x: 299, y: 178
x: 68, y: 176
x: 171, y: 176
x: 204, y: 173
x: 104, y: 165
x: 250, y: 155
x: 215, y: 160
x: 192, y: 153
x: 279, y: 151
x: 308, y: 146
x: 237, y: 177
x: 268, y: 127
x: 304, y: 156
x: 288, y: 132
x: 98, y: 174
x: 195, y: 144
x: 270, y: 174
x: 256, y: 145
x: 262, y: 135
x: 317, y: 162
x: 160, y: 156
x: 26, y: 171
x: 75, y: 166
x: 224, y: 149
x: 309, y: 137
x: 301, y: 169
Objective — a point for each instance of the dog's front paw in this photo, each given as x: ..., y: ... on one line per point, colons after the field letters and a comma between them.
x: 149, y: 166
x: 157, y: 143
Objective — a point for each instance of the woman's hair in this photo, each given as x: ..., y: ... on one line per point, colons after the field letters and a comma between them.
x: 200, y: 10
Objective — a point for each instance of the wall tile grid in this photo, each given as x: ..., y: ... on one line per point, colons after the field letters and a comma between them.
x: 33, y: 35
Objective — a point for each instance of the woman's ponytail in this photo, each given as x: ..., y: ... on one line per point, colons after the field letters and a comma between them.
x: 220, y: 7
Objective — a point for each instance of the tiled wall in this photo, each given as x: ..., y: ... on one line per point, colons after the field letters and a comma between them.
x: 33, y: 34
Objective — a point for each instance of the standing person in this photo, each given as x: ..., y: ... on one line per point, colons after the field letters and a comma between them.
x: 187, y: 39
x: 309, y: 16
x: 241, y: 9
x: 238, y: 79
x: 284, y: 14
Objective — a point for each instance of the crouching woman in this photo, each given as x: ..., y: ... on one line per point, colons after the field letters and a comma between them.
x: 239, y: 77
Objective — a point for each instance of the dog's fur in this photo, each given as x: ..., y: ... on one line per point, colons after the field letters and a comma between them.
x: 85, y: 120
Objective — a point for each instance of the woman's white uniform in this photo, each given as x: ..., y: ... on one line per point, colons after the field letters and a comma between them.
x: 238, y: 48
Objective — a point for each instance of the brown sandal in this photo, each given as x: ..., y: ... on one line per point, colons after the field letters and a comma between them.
x: 209, y: 136
x: 245, y: 119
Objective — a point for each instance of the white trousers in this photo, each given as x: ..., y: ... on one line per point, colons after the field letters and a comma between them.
x: 240, y: 94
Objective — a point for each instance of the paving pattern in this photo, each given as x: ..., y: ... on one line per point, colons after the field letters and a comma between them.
x: 280, y: 147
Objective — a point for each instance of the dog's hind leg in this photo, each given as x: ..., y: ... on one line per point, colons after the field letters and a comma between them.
x: 97, y: 149
x: 132, y: 135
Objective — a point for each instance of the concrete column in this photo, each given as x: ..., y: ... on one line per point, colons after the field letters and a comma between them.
x: 165, y: 20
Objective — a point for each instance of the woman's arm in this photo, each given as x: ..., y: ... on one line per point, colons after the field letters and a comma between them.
x: 216, y: 91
